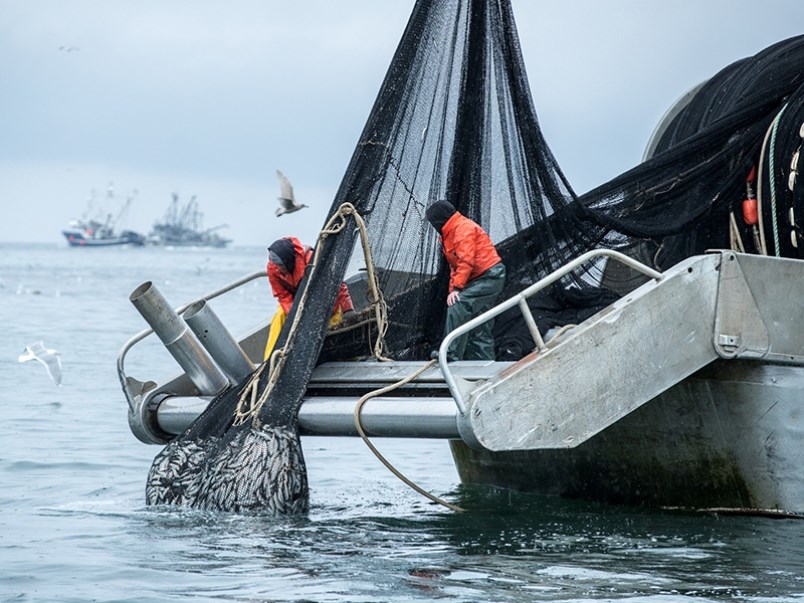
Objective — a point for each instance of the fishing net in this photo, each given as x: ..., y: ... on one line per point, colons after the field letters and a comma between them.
x: 454, y: 120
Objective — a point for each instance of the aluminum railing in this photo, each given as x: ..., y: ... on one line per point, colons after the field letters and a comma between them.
x: 521, y: 300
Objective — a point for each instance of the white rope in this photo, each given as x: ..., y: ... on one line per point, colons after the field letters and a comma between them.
x: 734, y: 235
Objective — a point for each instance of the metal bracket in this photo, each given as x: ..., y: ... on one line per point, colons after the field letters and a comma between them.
x: 142, y: 412
x: 739, y: 327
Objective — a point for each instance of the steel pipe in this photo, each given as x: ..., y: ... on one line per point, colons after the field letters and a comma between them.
x: 218, y: 341
x: 334, y: 416
x: 182, y: 344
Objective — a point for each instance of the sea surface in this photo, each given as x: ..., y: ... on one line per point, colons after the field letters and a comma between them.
x: 74, y: 525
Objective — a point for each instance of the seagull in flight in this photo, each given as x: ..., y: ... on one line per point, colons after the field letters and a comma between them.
x: 51, y: 359
x: 287, y: 203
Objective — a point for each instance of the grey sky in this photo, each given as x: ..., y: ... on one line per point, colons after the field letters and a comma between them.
x: 211, y: 97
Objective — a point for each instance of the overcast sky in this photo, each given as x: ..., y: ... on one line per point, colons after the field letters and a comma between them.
x: 209, y: 98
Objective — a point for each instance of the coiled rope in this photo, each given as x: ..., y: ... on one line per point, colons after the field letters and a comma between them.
x: 764, y: 246
x: 376, y: 299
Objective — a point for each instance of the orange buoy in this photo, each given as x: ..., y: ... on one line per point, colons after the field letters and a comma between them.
x: 750, y: 212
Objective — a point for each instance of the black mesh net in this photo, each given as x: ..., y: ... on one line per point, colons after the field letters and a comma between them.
x: 454, y: 120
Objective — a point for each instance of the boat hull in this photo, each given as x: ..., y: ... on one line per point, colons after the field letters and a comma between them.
x: 729, y: 437
x: 77, y: 238
x: 216, y: 243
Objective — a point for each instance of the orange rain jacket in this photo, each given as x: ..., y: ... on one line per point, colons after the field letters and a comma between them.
x: 284, y: 285
x: 468, y: 249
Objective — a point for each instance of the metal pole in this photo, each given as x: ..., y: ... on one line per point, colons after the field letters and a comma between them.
x: 178, y: 339
x: 218, y: 341
x: 334, y: 416
x: 532, y: 326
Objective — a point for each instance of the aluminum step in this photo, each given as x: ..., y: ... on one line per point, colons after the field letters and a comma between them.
x: 721, y: 305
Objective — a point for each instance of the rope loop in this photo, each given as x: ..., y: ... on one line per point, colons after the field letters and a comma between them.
x: 382, y: 459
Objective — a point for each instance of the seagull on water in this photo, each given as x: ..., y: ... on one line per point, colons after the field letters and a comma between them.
x: 51, y: 359
x: 287, y: 203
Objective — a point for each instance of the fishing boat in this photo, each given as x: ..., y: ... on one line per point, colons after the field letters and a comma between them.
x: 704, y: 413
x: 183, y: 226
x: 98, y: 227
x: 92, y: 233
x: 649, y: 349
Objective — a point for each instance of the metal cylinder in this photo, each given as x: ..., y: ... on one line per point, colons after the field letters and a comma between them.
x: 334, y: 416
x: 217, y: 340
x: 182, y: 344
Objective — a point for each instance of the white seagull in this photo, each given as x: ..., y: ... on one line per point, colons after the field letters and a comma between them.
x: 287, y: 203
x: 51, y: 359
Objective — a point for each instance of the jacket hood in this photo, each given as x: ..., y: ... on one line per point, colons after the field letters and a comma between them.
x: 438, y: 214
x: 281, y: 252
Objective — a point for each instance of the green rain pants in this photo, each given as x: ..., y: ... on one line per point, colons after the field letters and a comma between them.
x: 478, y: 296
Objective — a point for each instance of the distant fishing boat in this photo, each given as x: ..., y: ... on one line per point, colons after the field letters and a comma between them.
x: 97, y: 227
x: 183, y: 227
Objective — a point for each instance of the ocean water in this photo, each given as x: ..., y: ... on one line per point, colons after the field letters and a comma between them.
x: 74, y: 526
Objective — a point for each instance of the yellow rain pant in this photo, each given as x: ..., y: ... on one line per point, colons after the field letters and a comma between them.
x: 273, y: 333
x: 278, y: 321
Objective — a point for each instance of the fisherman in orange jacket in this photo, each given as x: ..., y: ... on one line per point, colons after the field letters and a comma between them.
x: 287, y: 260
x: 477, y: 276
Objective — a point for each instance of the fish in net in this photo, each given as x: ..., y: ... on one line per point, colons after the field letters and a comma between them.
x: 454, y: 119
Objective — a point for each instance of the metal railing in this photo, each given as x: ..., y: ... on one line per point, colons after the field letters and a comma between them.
x: 520, y: 300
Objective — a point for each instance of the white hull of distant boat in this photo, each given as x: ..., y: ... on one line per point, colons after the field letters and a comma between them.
x: 78, y: 237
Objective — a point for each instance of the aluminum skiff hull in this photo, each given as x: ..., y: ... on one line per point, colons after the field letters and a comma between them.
x: 729, y: 437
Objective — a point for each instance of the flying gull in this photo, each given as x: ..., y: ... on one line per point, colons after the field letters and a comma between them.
x: 287, y: 203
x: 51, y: 359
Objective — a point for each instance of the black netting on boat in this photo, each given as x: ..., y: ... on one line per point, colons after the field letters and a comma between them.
x: 454, y: 119
x: 462, y: 128
x: 465, y: 129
